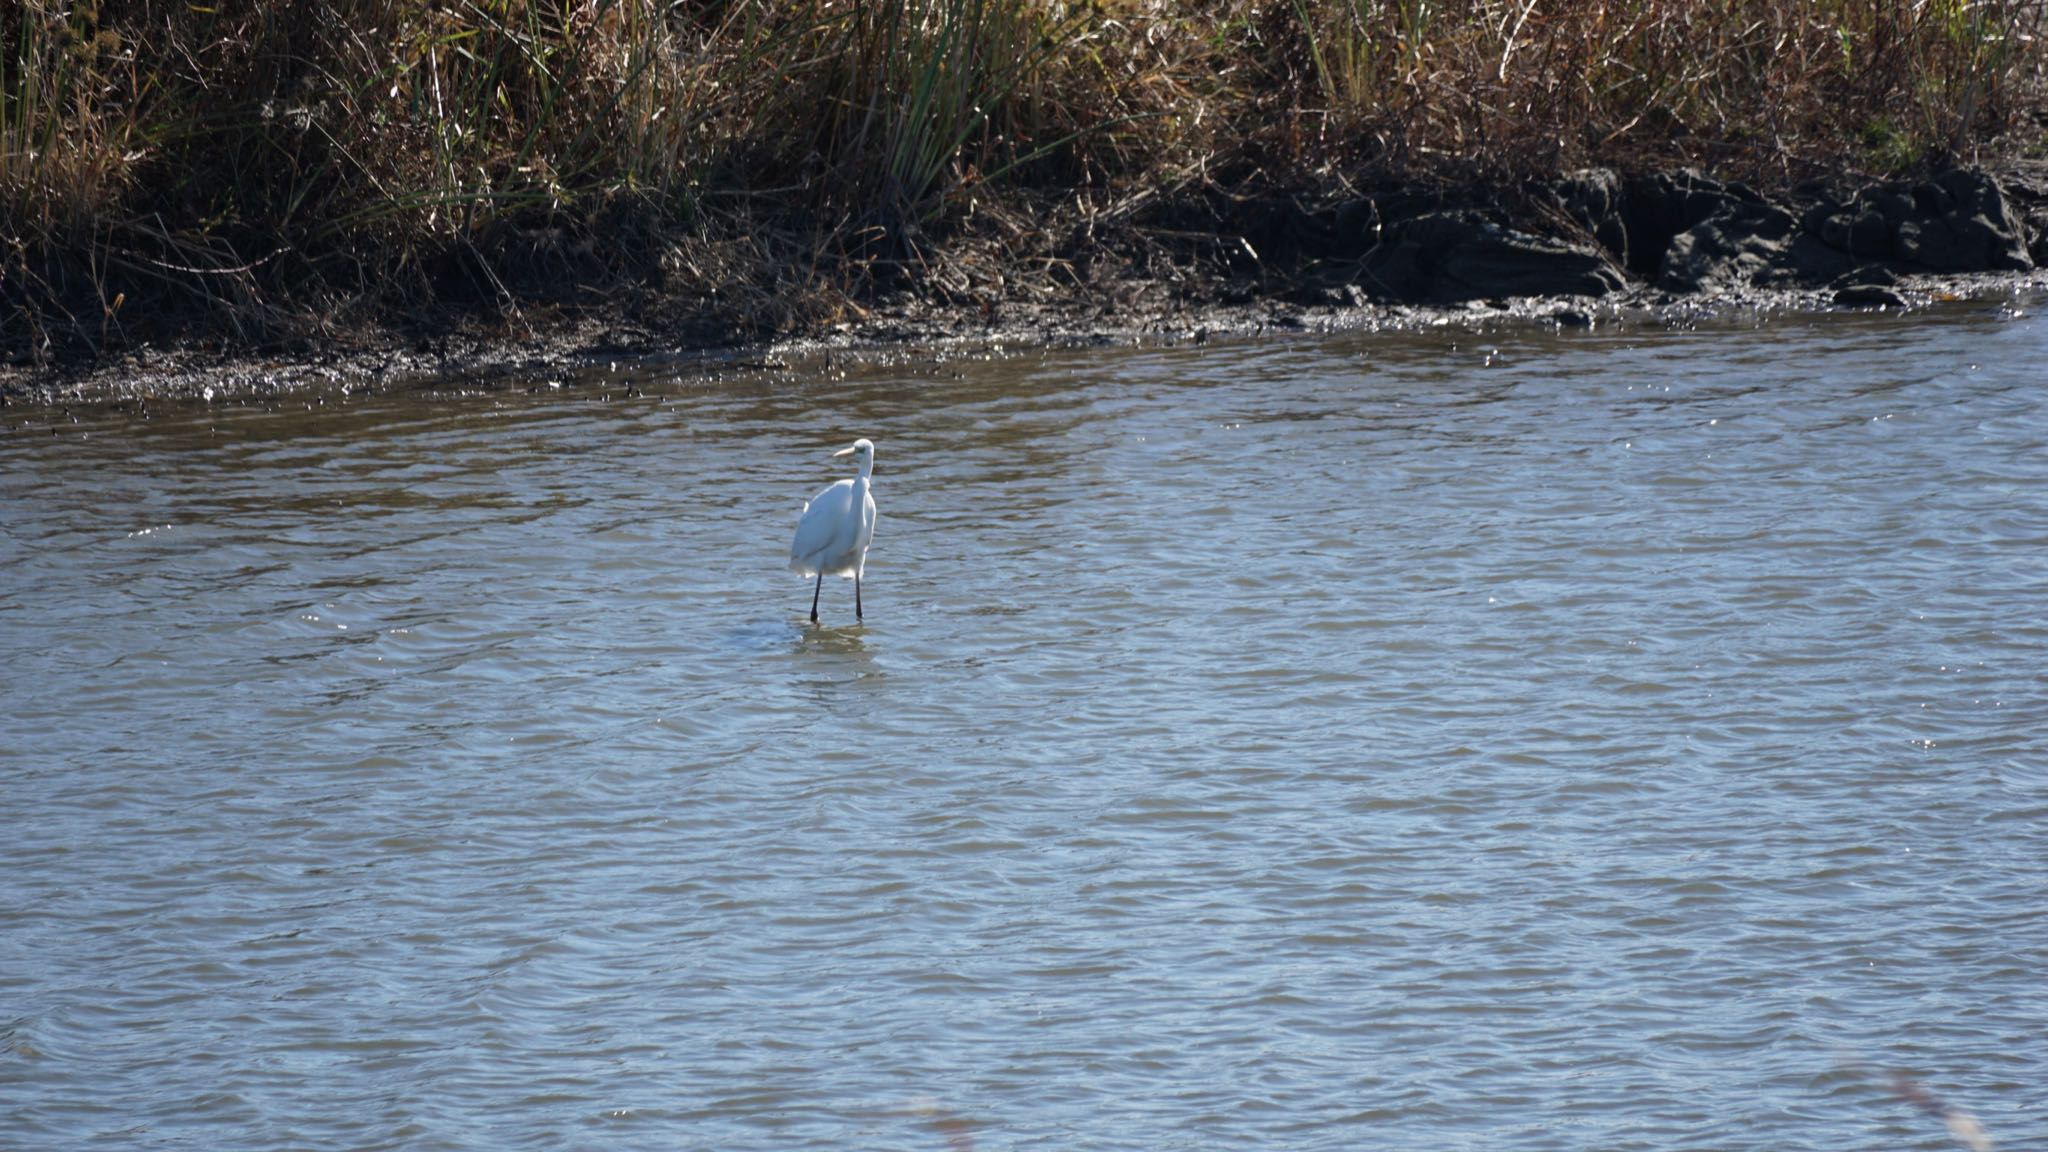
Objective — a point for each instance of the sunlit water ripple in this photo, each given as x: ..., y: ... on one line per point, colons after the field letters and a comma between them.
x: 1455, y: 741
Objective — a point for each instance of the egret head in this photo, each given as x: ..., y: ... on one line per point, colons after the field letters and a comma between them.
x: 862, y: 451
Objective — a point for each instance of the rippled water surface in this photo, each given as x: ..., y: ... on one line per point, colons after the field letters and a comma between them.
x: 1595, y: 741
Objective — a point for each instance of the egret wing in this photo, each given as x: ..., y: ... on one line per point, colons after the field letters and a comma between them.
x: 825, y: 532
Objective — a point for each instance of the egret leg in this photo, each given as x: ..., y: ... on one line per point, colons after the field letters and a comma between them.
x: 815, y: 589
x: 856, y: 595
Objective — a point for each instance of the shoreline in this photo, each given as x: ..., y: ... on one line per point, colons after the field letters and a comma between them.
x: 1658, y: 250
x: 483, y: 365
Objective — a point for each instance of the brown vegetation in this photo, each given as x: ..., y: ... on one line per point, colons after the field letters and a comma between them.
x: 259, y: 173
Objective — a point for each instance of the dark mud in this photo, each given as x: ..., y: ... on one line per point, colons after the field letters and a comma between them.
x: 1596, y: 250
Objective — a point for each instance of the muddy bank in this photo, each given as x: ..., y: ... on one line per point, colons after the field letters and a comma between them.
x: 1595, y: 248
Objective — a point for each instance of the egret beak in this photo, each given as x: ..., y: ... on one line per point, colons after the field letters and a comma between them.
x: 846, y: 451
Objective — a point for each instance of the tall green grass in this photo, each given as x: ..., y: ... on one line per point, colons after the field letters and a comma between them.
x: 260, y: 171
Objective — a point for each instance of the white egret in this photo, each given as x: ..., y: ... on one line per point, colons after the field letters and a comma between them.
x: 833, y: 534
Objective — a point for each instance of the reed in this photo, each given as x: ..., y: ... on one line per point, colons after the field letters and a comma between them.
x: 1520, y: 86
x: 260, y: 172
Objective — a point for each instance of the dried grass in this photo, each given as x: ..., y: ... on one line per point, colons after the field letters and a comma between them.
x: 259, y: 172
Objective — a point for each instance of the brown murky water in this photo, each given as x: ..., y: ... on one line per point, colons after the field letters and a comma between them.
x: 1594, y: 741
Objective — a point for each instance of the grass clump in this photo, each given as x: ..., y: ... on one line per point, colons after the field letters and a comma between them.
x: 265, y: 173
